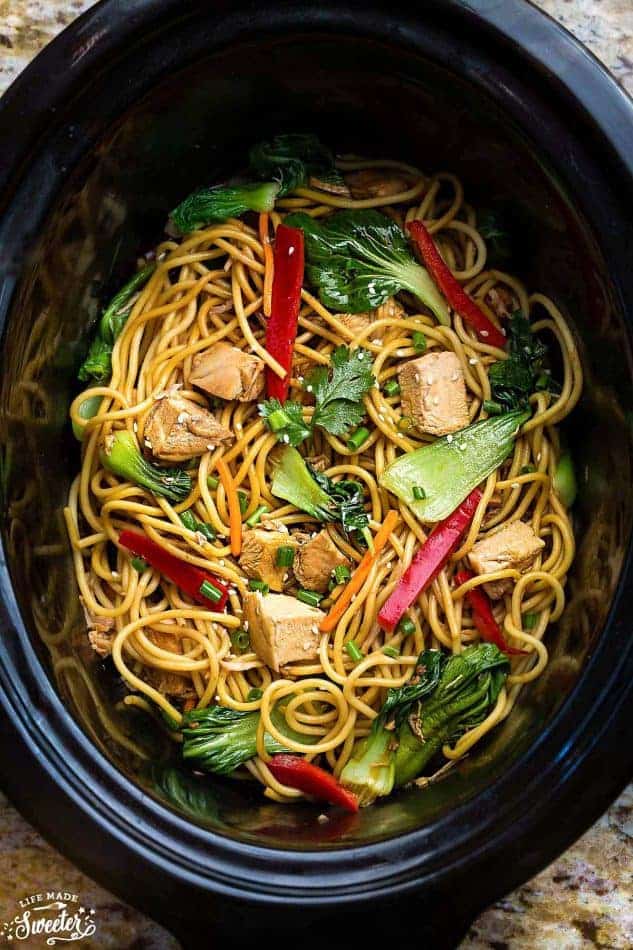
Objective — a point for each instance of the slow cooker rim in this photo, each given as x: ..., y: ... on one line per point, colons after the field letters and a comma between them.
x: 138, y: 12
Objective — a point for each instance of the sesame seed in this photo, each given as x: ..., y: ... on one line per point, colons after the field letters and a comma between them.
x: 430, y: 380
x: 377, y: 341
x: 436, y: 400
x: 245, y: 625
x: 182, y: 417
x: 148, y: 443
x: 515, y: 485
x: 135, y: 426
x: 291, y: 251
x: 449, y: 438
x: 484, y: 333
x: 473, y: 360
x: 210, y: 447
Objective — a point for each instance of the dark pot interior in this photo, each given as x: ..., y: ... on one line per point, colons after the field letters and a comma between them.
x: 124, y: 149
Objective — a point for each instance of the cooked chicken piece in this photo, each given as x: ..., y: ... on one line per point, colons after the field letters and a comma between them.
x: 434, y: 393
x: 315, y: 561
x: 170, y: 684
x: 331, y: 187
x: 514, y: 546
x: 227, y: 372
x: 100, y: 631
x: 501, y: 302
x: 178, y: 429
x: 259, y: 555
x: 376, y: 183
x: 358, y: 322
x: 282, y: 629
x: 318, y: 462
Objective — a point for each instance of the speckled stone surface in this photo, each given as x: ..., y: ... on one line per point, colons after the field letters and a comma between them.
x: 583, y: 900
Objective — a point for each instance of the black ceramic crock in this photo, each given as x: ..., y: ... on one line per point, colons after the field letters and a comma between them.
x: 130, y: 108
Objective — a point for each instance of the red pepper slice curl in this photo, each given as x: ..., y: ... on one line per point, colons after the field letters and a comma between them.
x: 295, y: 772
x: 455, y: 294
x: 186, y: 576
x: 429, y: 561
x: 483, y: 617
x: 281, y: 329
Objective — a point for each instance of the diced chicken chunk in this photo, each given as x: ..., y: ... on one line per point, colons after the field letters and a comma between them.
x: 167, y: 683
x: 315, y: 561
x: 515, y: 546
x: 434, y: 393
x: 259, y: 555
x: 227, y: 372
x: 282, y: 629
x: 178, y: 429
x: 358, y: 322
x: 100, y: 631
x: 376, y: 183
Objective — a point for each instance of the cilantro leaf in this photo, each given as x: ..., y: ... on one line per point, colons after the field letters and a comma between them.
x: 286, y: 420
x: 339, y: 395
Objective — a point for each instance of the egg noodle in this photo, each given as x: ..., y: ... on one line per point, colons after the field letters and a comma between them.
x: 209, y: 287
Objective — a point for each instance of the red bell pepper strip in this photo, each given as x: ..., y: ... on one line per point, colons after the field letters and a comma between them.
x: 455, y: 294
x: 281, y: 330
x: 429, y: 560
x: 295, y: 772
x: 483, y: 618
x: 186, y: 576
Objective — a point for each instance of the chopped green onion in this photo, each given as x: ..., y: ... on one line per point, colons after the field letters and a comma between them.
x: 278, y: 420
x: 309, y: 597
x: 206, y: 530
x: 207, y: 589
x: 353, y: 652
x: 406, y: 626
x: 565, y: 480
x: 418, y: 493
x: 357, y: 438
x: 285, y: 556
x: 254, y: 694
x: 240, y: 640
x: 391, y: 388
x: 393, y: 652
x: 255, y: 518
x: 243, y: 500
x: 492, y: 408
x: 404, y: 423
x: 529, y: 621
x: 527, y: 470
x: 188, y: 520
x: 138, y: 564
x: 419, y: 341
x: 212, y: 482
x: 261, y: 586
x: 342, y: 573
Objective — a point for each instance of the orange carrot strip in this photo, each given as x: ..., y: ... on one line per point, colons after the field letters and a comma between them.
x: 359, y: 576
x: 269, y: 263
x: 235, y: 515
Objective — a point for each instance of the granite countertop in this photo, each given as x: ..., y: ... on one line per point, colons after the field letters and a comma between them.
x: 583, y: 900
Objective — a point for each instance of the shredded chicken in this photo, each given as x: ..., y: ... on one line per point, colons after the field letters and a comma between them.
x: 101, y: 631
x: 178, y: 429
x: 315, y: 561
x: 170, y: 684
x: 228, y: 372
x: 357, y: 323
x: 501, y: 302
x: 376, y: 183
